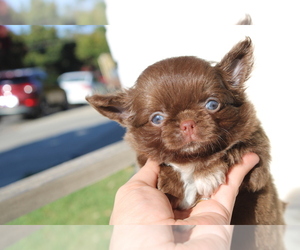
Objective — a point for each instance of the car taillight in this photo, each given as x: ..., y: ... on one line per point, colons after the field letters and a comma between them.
x: 28, y: 88
x: 6, y: 90
x: 30, y: 102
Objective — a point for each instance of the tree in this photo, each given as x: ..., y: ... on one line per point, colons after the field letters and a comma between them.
x: 89, y: 47
x: 41, y: 12
x: 95, y: 16
x: 44, y: 50
x: 68, y: 60
x: 44, y: 46
x: 12, y: 50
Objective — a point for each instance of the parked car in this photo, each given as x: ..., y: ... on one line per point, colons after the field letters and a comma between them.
x: 79, y: 84
x: 22, y: 91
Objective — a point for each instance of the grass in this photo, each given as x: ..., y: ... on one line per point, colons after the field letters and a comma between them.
x: 91, y: 205
x: 66, y: 238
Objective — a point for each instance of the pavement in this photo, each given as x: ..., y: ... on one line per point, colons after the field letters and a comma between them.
x: 31, y: 147
x: 15, y: 132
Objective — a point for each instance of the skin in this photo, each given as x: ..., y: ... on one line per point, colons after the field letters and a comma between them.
x: 147, y: 210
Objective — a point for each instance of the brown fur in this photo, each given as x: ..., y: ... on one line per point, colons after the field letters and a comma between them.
x: 179, y: 88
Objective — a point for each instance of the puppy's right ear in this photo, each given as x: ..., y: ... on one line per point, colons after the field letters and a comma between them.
x: 114, y: 106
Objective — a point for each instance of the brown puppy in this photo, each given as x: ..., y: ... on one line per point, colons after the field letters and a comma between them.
x: 195, y: 119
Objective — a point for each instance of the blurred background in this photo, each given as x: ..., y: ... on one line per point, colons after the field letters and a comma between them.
x: 107, y: 44
x: 43, y: 70
x: 43, y: 12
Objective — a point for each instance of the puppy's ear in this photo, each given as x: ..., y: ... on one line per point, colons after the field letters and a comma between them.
x: 237, y: 65
x: 114, y: 106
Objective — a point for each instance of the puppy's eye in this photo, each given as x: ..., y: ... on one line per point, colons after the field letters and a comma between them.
x: 212, y: 105
x: 157, y: 118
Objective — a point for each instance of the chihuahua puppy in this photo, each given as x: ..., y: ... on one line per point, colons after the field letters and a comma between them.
x: 196, y: 121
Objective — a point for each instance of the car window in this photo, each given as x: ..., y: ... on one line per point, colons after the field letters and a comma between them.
x: 75, y: 77
x: 14, y: 80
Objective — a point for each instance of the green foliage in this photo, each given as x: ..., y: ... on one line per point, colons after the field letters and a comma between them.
x: 89, y: 206
x: 67, y: 58
x: 43, y: 12
x: 96, y: 16
x: 89, y: 47
x: 43, y: 47
x: 12, y: 51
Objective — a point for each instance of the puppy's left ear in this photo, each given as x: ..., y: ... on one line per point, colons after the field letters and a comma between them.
x: 236, y: 66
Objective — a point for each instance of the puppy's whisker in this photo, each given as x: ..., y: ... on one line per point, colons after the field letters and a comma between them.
x: 226, y: 132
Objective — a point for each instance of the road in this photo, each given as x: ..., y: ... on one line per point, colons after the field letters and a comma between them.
x: 30, y: 146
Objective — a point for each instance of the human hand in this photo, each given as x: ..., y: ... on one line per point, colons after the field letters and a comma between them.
x: 139, y: 202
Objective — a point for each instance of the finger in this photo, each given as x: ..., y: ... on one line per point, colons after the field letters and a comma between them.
x: 227, y: 192
x: 222, y: 202
x: 216, y: 236
x: 148, y: 174
x: 237, y: 173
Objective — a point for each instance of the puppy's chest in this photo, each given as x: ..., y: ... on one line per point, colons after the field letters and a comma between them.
x: 196, y: 183
x: 186, y: 173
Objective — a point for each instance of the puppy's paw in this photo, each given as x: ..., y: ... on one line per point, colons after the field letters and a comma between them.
x: 169, y: 182
x: 257, y: 178
x: 207, y: 185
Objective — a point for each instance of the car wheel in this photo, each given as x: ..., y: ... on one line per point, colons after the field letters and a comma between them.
x: 65, y: 105
x: 44, y: 107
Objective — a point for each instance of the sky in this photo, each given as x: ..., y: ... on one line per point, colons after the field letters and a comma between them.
x: 17, y: 5
x: 18, y: 29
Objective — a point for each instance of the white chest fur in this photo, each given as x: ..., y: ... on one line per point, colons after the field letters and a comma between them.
x: 189, y: 186
x: 203, y: 185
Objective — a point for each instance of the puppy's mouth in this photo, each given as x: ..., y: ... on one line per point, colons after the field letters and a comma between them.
x: 183, y: 143
x: 191, y: 147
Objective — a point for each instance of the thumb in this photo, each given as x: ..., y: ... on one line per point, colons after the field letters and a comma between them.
x: 148, y: 174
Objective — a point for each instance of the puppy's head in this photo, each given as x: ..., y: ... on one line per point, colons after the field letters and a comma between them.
x: 183, y: 107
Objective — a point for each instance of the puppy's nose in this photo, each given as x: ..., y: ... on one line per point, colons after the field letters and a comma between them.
x: 187, y: 127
